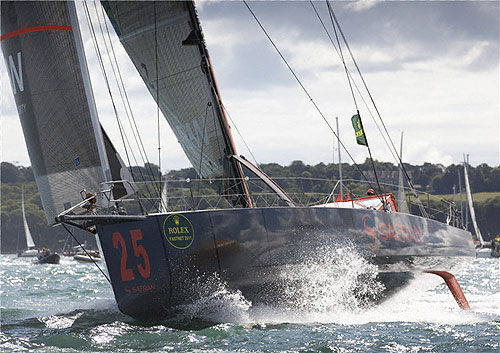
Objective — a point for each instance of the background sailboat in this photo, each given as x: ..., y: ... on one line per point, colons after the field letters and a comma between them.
x: 483, y: 248
x: 31, y: 250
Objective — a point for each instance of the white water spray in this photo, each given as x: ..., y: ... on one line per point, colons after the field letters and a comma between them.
x: 321, y: 286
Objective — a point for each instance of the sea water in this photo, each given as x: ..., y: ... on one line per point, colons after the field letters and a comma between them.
x: 70, y: 308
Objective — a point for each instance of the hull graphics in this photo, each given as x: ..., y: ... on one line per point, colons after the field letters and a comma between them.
x: 161, y: 262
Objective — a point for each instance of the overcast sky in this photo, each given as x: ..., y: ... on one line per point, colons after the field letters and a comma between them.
x: 432, y: 68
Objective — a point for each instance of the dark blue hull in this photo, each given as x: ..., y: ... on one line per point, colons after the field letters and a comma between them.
x: 48, y: 259
x: 157, y: 263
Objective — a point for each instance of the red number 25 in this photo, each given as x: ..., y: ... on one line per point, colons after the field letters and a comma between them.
x: 127, y: 273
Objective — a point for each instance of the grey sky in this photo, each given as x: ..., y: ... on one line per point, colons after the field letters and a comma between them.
x: 432, y: 68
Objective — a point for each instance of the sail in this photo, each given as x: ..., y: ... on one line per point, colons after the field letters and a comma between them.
x: 118, y: 169
x: 166, y: 45
x: 471, y: 204
x: 402, y: 204
x: 44, y: 56
x: 29, y: 239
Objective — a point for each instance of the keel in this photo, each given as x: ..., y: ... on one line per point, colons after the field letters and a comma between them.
x: 454, y: 288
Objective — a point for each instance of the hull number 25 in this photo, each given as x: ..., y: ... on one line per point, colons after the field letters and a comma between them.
x: 139, y: 251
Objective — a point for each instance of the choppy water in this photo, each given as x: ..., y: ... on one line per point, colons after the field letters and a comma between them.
x: 70, y: 307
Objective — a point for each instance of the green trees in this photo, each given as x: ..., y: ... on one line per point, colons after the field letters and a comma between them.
x: 429, y: 177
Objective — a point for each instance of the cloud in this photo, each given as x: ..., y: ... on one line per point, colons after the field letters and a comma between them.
x: 361, y: 5
x: 432, y: 68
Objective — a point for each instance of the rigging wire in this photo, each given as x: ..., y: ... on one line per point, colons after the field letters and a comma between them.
x: 131, y: 117
x: 341, y: 57
x: 215, y: 121
x: 85, y: 250
x: 354, y: 83
x: 421, y: 207
x: 239, y: 133
x: 354, y: 97
x: 157, y: 95
x: 124, y: 98
x: 209, y: 104
x: 103, y: 70
x: 101, y: 63
x: 391, y: 150
x: 306, y: 92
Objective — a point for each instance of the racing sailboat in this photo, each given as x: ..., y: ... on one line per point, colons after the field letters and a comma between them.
x: 156, y: 260
x: 31, y: 250
x: 483, y: 248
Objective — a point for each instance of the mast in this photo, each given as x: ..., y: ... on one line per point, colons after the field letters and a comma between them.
x: 461, y: 199
x: 340, y: 160
x: 244, y: 199
x: 471, y: 204
x: 402, y: 205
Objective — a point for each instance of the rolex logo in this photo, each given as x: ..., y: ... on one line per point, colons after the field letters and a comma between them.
x: 178, y: 231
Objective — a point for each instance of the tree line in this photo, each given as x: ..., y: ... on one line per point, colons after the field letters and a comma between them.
x: 428, y: 177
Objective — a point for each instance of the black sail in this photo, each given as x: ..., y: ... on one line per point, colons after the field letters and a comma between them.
x: 42, y: 49
x: 165, y: 43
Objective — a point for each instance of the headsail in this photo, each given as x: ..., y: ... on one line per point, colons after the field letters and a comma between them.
x: 30, y: 244
x: 43, y: 51
x: 166, y: 45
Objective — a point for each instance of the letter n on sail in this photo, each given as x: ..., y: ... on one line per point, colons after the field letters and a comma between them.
x: 16, y: 73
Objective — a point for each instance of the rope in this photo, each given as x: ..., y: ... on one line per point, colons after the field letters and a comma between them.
x: 342, y: 57
x: 391, y: 150
x: 203, y: 135
x: 157, y: 95
x: 101, y: 62
x: 422, y: 209
x: 103, y: 70
x: 307, y: 93
x: 355, y: 85
x: 239, y: 133
x: 85, y: 250
x: 131, y: 117
x: 352, y: 92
